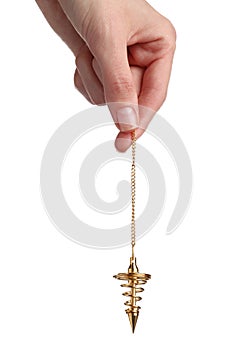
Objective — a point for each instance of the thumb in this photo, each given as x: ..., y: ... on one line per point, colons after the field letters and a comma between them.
x: 119, y: 88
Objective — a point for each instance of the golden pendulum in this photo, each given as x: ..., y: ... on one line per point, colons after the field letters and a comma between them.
x: 134, y: 278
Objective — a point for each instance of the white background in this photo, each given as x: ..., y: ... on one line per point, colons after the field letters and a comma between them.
x: 55, y: 294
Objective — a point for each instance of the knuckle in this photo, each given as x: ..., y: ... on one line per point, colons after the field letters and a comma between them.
x: 171, y: 29
x: 121, y: 86
x: 77, y: 80
x: 79, y: 86
x: 82, y: 54
x: 169, y: 36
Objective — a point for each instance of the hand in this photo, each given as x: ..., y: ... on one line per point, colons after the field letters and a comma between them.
x: 124, y: 52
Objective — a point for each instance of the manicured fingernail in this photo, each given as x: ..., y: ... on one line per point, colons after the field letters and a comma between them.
x: 127, y: 118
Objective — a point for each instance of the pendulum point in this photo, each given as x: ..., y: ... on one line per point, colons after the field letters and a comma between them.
x: 133, y: 317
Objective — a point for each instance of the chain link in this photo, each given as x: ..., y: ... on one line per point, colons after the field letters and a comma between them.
x: 133, y: 189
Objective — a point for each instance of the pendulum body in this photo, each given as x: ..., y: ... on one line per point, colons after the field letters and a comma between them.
x: 133, y: 279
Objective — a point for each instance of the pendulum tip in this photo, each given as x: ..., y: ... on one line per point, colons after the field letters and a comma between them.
x: 133, y: 317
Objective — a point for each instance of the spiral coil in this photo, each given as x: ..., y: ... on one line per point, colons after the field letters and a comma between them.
x: 135, y: 280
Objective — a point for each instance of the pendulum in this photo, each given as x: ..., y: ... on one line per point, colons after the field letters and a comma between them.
x: 133, y: 277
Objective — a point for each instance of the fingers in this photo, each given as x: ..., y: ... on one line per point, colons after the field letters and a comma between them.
x: 119, y: 88
x: 79, y: 86
x: 155, y: 83
x: 91, y: 82
x: 152, y: 95
x: 123, y: 140
x: 137, y: 74
x: 157, y: 59
x: 97, y: 69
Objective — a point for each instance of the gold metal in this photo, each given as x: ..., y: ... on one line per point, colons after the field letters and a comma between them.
x: 134, y: 278
x: 133, y: 191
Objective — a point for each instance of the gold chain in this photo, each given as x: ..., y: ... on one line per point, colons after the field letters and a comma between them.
x: 133, y: 189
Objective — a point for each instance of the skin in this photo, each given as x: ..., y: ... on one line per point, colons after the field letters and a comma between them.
x: 124, y: 52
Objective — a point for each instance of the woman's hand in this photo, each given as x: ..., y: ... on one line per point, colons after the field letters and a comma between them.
x: 124, y: 52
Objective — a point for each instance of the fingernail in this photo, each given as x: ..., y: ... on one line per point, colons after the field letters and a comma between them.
x: 127, y: 118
